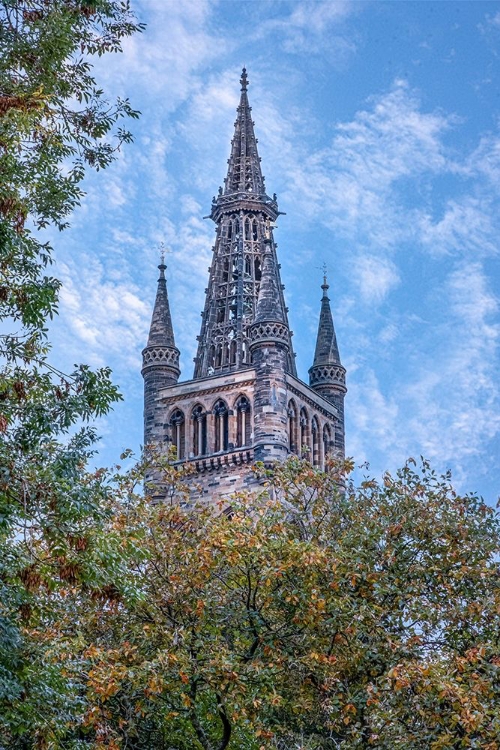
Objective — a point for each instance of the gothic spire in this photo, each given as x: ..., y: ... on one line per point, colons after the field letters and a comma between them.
x: 161, y: 332
x: 244, y: 174
x: 327, y: 351
x: 243, y: 214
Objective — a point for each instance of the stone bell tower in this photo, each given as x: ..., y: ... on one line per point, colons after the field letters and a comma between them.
x: 245, y: 402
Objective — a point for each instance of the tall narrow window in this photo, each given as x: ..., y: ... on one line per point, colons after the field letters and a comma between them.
x: 314, y: 457
x: 243, y: 426
x: 221, y: 426
x: 327, y: 442
x: 178, y: 432
x: 292, y: 427
x: 254, y: 230
x: 232, y: 352
x: 248, y: 266
x: 258, y: 272
x: 247, y: 229
x: 199, y: 418
x: 304, y: 434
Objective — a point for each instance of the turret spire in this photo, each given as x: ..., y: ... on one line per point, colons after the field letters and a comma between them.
x: 160, y: 362
x: 327, y: 351
x: 161, y: 332
x: 327, y: 375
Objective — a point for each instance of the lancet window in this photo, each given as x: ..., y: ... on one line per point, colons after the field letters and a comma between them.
x: 199, y: 418
x: 221, y: 426
x: 177, y: 424
x: 243, y: 424
x: 315, y: 443
x: 327, y: 441
x: 292, y: 426
x: 304, y: 433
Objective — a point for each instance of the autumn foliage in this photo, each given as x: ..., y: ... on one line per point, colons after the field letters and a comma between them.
x: 314, y: 615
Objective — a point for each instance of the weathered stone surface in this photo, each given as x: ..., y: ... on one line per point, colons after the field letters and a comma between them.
x: 245, y: 402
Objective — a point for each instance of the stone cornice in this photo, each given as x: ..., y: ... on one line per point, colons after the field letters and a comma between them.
x: 314, y: 399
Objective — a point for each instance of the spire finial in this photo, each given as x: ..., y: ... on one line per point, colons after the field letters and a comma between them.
x: 162, y: 265
x: 325, y: 286
x: 244, y: 79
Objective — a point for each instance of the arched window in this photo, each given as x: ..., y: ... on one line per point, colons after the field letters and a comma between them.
x: 244, y: 351
x: 254, y: 230
x: 211, y: 356
x: 199, y: 418
x: 292, y: 427
x: 243, y: 425
x: 247, y: 229
x: 218, y: 357
x: 304, y: 434
x: 248, y: 265
x: 232, y: 352
x: 178, y: 432
x: 327, y: 442
x: 229, y: 229
x: 314, y: 457
x: 258, y: 272
x: 221, y: 426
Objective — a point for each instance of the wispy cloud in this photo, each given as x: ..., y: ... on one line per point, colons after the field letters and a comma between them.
x: 311, y: 28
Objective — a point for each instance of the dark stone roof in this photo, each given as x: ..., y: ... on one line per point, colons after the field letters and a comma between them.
x: 161, y: 332
x: 327, y: 351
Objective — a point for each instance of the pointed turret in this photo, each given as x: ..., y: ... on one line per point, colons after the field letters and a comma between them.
x: 270, y: 349
x: 327, y: 351
x: 161, y: 332
x: 327, y: 374
x: 243, y: 213
x: 269, y: 305
x: 160, y: 362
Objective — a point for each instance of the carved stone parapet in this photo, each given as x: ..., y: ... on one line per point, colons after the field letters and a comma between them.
x: 165, y: 356
x: 327, y: 375
x: 269, y: 332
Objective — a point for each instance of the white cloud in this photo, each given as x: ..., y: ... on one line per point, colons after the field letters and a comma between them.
x: 375, y: 277
x: 109, y: 317
x: 356, y: 185
x: 310, y: 28
x: 457, y: 393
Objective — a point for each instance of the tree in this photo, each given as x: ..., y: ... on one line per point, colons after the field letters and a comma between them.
x: 54, y: 122
x: 315, y: 615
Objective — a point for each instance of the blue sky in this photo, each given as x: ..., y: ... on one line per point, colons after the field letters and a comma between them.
x: 379, y: 130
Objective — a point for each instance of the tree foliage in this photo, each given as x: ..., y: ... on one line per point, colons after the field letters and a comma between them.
x: 54, y: 123
x: 314, y: 616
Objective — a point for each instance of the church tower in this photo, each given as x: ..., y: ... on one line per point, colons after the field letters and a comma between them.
x: 245, y: 402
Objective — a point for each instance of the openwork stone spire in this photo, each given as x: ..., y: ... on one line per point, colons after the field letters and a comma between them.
x: 243, y: 213
x: 244, y: 173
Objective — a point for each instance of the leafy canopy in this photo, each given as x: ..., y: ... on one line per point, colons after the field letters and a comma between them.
x: 316, y: 615
x: 54, y: 123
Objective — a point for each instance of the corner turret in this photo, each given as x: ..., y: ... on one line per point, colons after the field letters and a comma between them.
x: 160, y: 362
x: 327, y: 374
x: 270, y: 346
